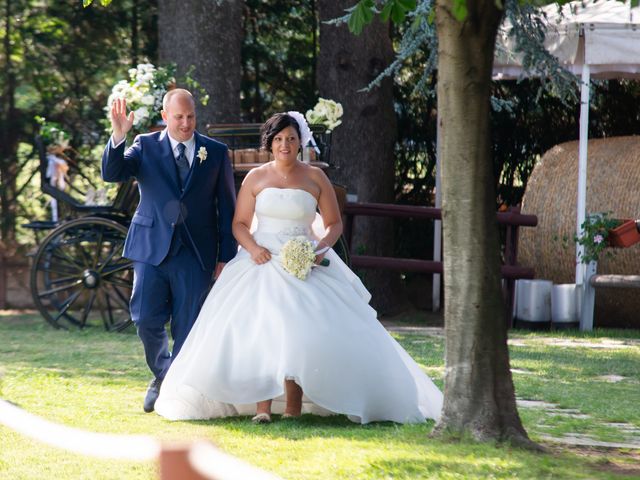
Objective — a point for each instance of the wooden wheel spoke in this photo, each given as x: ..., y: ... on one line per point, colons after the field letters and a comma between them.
x: 118, y: 267
x: 54, y: 281
x: 60, y: 270
x: 67, y: 304
x: 107, y: 260
x: 86, y: 256
x: 87, y: 308
x: 62, y: 288
x: 120, y: 297
x: 117, y: 281
x: 96, y: 257
x: 68, y: 260
x: 109, y: 312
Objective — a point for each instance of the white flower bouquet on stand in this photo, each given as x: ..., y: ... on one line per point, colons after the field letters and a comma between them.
x: 143, y: 92
x: 327, y: 113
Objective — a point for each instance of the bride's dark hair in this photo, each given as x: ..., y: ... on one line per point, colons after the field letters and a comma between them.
x: 275, y: 125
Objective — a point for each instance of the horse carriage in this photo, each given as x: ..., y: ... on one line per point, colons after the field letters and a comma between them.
x: 78, y: 274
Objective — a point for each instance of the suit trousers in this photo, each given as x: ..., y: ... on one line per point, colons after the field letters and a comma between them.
x: 172, y: 291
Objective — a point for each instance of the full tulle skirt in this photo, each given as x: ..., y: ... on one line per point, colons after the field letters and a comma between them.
x: 261, y: 326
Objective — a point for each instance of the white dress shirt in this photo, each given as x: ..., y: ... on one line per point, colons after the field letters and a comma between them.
x: 189, y: 151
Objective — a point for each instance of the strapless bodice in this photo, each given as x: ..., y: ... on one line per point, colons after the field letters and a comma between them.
x: 285, y: 211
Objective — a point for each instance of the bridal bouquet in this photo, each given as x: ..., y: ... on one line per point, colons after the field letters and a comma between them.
x: 143, y: 92
x: 326, y: 112
x: 298, y: 257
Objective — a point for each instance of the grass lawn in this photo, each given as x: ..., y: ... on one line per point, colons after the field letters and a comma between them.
x: 96, y: 381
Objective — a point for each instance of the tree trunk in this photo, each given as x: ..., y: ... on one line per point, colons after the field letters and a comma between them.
x: 479, y: 393
x: 363, y: 145
x: 8, y: 136
x: 207, y: 35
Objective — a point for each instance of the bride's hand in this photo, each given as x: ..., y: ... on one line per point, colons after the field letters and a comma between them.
x: 319, y: 258
x: 260, y: 255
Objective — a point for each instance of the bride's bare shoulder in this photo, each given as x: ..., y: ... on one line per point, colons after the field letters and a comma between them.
x: 256, y: 179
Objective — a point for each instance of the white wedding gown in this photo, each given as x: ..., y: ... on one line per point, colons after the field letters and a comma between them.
x: 261, y: 325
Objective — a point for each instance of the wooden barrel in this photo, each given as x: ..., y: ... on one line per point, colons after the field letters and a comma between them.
x: 613, y: 185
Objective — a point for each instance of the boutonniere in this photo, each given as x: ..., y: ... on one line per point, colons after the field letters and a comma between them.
x: 202, y: 154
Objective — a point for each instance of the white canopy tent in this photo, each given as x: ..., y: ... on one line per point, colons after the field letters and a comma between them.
x: 594, y: 38
x: 591, y: 38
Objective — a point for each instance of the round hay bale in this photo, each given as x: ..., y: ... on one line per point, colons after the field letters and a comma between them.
x: 613, y: 185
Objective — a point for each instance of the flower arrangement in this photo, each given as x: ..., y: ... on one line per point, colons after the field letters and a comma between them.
x: 143, y: 92
x: 326, y: 112
x: 298, y: 257
x: 595, y: 232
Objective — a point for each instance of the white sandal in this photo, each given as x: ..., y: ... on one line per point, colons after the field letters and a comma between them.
x: 262, y: 418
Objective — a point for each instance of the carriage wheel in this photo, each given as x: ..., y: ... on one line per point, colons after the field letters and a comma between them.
x: 79, y: 275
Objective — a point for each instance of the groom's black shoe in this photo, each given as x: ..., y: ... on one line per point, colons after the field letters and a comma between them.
x: 152, y: 395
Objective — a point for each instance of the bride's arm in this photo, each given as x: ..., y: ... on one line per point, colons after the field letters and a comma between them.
x: 330, y: 212
x: 245, y: 208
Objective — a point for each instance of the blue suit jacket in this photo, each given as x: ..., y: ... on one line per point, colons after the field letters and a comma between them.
x: 206, y: 206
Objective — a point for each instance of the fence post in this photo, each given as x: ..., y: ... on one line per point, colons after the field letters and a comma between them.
x: 510, y: 258
x: 175, y: 463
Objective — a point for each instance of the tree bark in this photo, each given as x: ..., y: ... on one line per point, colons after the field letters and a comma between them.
x: 479, y: 393
x: 8, y: 136
x: 207, y: 35
x: 363, y: 145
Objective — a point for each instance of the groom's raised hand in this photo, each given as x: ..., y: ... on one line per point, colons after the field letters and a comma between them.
x: 121, y: 123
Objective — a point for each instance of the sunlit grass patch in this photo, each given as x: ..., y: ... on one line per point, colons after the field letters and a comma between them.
x: 96, y: 381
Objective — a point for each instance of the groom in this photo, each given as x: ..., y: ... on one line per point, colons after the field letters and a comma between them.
x: 181, y: 227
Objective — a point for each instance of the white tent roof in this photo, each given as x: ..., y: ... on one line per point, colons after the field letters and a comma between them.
x: 605, y: 34
x: 599, y: 38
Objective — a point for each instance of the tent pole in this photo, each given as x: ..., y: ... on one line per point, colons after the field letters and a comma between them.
x: 582, y: 166
x: 437, y: 224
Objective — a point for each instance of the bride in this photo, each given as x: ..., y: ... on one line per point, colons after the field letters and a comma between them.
x: 268, y: 342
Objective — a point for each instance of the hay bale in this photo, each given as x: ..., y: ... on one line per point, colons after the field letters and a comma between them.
x: 613, y: 184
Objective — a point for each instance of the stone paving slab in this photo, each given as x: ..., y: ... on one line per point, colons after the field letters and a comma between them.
x: 589, y: 442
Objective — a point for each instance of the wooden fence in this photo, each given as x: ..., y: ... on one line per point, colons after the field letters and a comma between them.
x: 512, y: 220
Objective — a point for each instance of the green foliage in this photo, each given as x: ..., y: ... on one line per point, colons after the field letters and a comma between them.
x: 460, y: 9
x: 278, y: 57
x: 104, y: 3
x: 64, y: 58
x: 594, y: 235
x: 361, y: 14
x: 52, y: 132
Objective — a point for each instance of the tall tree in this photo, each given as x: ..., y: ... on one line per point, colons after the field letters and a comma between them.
x: 364, y: 144
x: 478, y: 386
x: 10, y: 126
x: 207, y: 36
x: 479, y: 392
